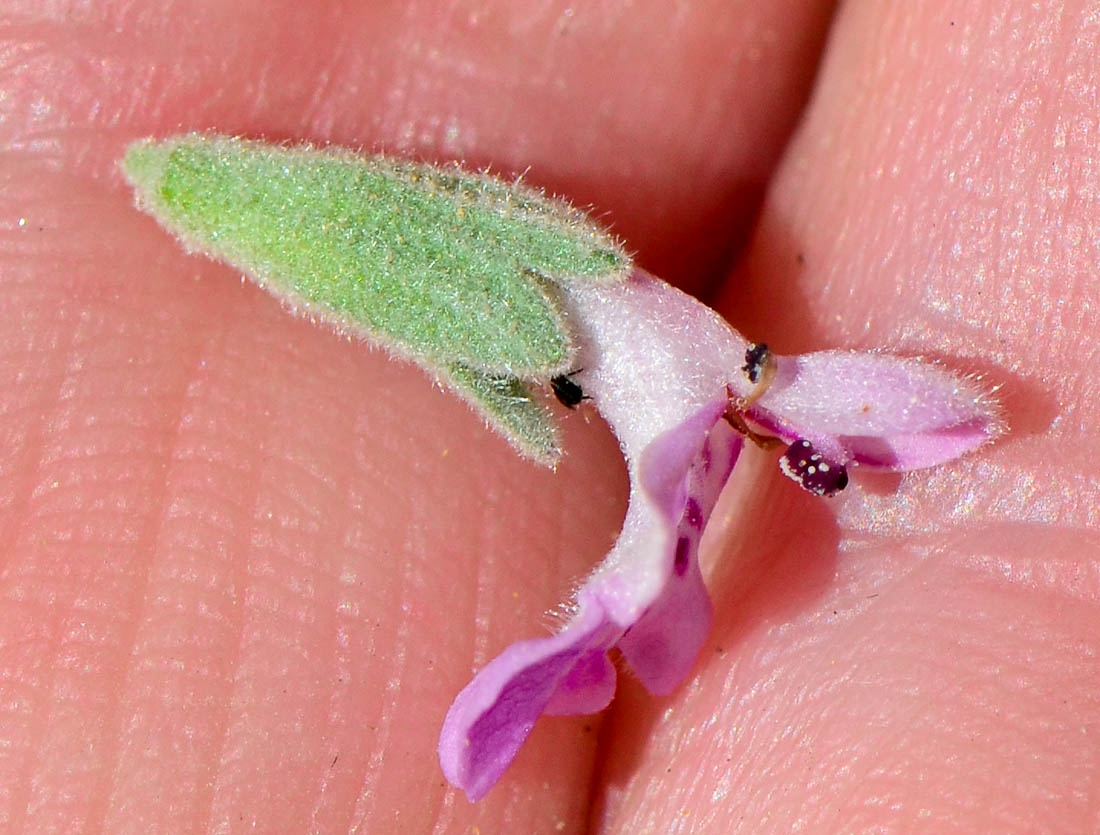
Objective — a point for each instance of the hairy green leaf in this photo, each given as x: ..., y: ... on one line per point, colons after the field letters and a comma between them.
x: 437, y: 263
x: 454, y: 270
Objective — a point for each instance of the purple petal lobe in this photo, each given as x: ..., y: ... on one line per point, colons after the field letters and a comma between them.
x: 493, y: 715
x: 587, y: 688
x: 662, y: 646
x: 913, y: 451
x: 876, y: 409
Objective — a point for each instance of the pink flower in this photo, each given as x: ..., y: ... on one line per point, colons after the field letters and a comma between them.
x: 662, y: 369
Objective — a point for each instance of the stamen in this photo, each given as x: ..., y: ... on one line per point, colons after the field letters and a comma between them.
x: 800, y: 461
x: 734, y: 418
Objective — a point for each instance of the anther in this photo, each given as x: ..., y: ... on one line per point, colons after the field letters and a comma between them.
x: 759, y: 367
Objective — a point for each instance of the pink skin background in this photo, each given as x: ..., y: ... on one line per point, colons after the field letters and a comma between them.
x: 247, y: 563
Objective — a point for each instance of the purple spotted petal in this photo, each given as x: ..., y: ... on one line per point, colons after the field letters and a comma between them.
x: 657, y: 365
x: 659, y: 635
x: 662, y: 644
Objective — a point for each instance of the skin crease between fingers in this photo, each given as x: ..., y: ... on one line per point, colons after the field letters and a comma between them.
x: 924, y: 660
x: 246, y: 563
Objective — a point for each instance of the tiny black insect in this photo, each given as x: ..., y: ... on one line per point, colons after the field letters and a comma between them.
x: 569, y: 394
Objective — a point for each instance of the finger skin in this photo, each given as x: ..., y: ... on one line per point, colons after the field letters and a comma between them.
x: 246, y: 562
x: 921, y: 656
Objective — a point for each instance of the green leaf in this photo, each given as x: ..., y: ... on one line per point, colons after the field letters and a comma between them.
x: 453, y: 270
x: 442, y: 265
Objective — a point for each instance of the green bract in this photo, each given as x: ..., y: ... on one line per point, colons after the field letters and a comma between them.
x: 451, y: 269
x: 510, y: 407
